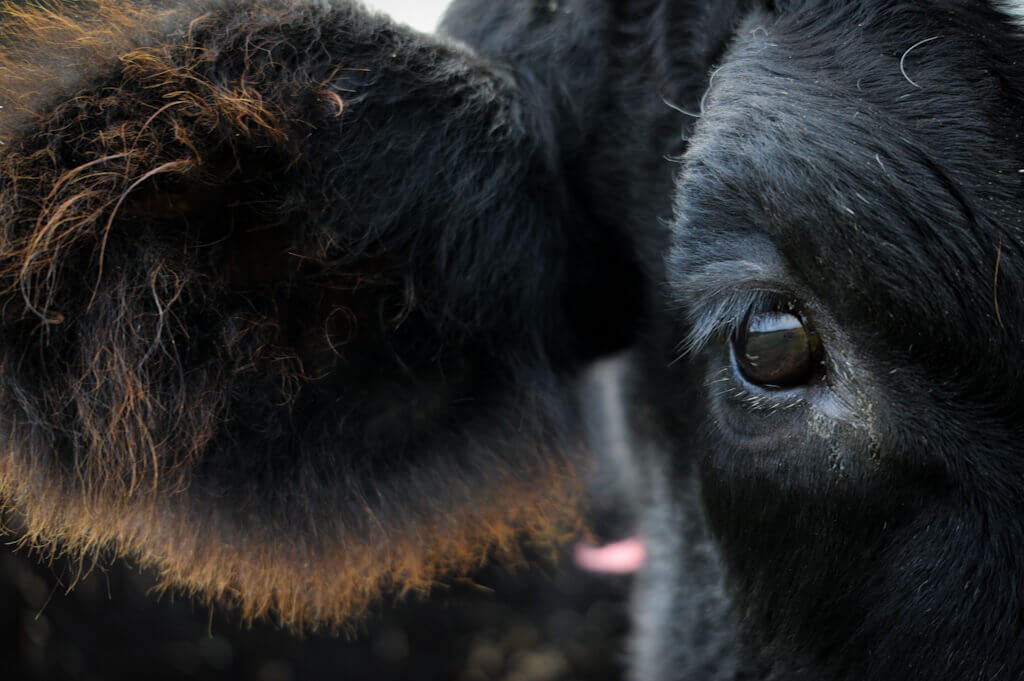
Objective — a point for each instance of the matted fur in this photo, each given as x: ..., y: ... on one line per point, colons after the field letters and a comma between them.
x: 219, y: 337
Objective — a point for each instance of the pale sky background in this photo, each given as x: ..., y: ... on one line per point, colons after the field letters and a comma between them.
x: 420, y: 14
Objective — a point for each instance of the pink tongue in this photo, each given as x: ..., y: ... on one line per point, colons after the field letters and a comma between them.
x: 619, y: 558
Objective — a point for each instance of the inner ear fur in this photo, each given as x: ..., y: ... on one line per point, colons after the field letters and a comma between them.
x: 281, y: 303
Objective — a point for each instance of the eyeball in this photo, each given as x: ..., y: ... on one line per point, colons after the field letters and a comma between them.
x: 776, y: 350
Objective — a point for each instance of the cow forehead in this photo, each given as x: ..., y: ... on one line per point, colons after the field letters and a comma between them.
x: 879, y: 163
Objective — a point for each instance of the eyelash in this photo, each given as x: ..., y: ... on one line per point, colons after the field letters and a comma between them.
x: 719, y: 317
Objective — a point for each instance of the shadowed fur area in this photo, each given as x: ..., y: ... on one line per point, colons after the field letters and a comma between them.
x: 242, y: 335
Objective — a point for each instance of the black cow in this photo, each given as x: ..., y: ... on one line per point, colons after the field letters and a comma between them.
x: 295, y: 301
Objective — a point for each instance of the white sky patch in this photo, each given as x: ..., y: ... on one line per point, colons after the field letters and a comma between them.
x: 420, y: 14
x: 1013, y: 9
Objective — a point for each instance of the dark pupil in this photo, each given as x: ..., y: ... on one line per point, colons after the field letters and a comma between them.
x: 776, y: 350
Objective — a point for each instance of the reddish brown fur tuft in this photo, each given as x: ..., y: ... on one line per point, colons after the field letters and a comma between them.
x: 302, y: 583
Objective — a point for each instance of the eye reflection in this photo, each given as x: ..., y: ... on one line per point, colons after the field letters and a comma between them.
x: 777, y: 350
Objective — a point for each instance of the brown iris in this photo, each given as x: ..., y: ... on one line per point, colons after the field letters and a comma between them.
x: 777, y: 350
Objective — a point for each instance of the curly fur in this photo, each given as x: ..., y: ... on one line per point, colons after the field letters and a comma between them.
x: 240, y: 348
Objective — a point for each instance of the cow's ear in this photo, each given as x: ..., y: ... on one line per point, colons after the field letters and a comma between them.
x: 288, y: 301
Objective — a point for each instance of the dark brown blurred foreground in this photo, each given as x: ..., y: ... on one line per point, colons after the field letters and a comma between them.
x: 528, y: 624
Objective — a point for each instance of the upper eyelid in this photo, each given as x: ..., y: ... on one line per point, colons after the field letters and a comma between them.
x: 723, y: 275
x: 724, y: 312
x: 717, y: 295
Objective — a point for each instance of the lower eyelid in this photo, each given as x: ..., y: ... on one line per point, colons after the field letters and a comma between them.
x: 819, y: 397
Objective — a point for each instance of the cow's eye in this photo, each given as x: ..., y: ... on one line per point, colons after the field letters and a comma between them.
x: 777, y: 350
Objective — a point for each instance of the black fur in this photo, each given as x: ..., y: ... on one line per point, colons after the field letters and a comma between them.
x: 544, y: 184
x: 867, y: 526
x: 249, y: 333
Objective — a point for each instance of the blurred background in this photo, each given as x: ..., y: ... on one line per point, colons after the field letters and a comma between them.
x: 542, y: 622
